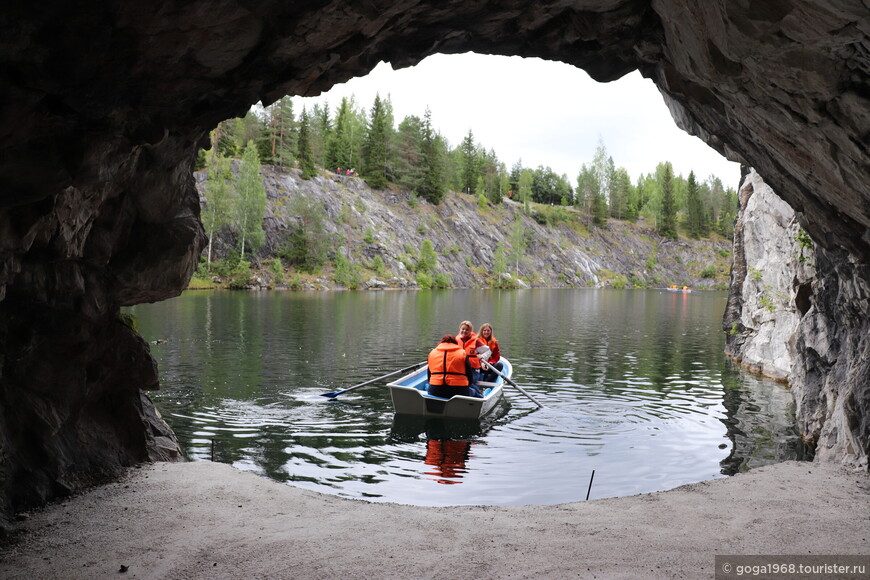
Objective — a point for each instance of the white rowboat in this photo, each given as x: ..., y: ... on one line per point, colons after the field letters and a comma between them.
x: 410, y: 396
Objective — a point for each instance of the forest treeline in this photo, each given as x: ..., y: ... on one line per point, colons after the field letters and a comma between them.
x: 414, y: 156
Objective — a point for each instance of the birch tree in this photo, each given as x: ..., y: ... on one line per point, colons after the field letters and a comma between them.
x: 251, y: 201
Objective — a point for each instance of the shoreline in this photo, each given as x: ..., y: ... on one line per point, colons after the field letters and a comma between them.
x: 196, y: 520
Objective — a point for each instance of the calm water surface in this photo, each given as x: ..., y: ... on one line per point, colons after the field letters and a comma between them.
x: 634, y: 383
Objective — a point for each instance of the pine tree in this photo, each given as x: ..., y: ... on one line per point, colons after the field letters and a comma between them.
x: 599, y: 209
x: 282, y: 133
x: 251, y: 203
x: 392, y: 139
x: 668, y: 216
x: 320, y: 133
x: 340, y: 148
x: 621, y: 194
x: 409, y: 150
x: 431, y: 187
x: 694, y: 211
x: 614, y: 195
x: 374, y: 167
x: 306, y: 154
x: 469, y: 160
x: 514, y: 178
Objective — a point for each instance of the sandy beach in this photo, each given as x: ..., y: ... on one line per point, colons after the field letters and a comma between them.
x: 209, y: 520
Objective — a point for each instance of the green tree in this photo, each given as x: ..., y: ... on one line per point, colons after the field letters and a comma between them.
x: 346, y: 273
x: 469, y: 163
x: 643, y: 192
x: 282, y: 133
x: 587, y: 190
x: 251, y: 203
x: 218, y: 197
x: 668, y: 214
x: 480, y: 187
x: 409, y: 153
x: 340, y: 147
x: 514, y: 178
x: 727, y: 213
x: 374, y: 167
x: 694, y: 211
x: 499, y: 265
x: 518, y: 243
x: 504, y: 185
x: 321, y: 131
x: 599, y: 209
x: 548, y: 187
x: 308, y: 243
x: 431, y: 187
x: 601, y: 166
x: 392, y: 138
x: 621, y: 194
x: 306, y: 152
x: 527, y: 179
x: 427, y: 261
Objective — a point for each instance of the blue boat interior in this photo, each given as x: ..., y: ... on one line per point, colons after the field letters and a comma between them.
x: 418, y: 381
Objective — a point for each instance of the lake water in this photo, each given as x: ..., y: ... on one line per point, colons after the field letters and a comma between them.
x: 634, y: 382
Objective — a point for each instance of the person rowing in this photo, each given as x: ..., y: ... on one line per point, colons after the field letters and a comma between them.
x: 449, y: 371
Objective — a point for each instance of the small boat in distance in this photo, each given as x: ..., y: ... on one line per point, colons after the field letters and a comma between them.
x: 410, y: 396
x: 685, y: 289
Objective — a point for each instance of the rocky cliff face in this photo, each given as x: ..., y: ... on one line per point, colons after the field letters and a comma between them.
x: 105, y: 104
x: 797, y: 314
x: 363, y: 224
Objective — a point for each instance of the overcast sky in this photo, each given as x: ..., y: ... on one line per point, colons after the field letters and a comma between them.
x: 540, y: 112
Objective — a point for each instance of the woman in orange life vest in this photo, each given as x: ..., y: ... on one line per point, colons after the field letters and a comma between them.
x: 487, y: 337
x: 470, y: 341
x: 449, y: 372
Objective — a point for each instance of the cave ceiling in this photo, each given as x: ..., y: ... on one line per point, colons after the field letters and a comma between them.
x: 781, y: 85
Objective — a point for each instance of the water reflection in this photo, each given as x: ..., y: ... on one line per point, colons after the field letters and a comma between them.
x: 448, y: 442
x: 760, y: 423
x: 448, y: 457
x: 634, y: 383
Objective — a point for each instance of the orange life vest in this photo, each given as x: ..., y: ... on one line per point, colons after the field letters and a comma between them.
x: 493, y: 346
x: 470, y: 347
x: 447, y: 366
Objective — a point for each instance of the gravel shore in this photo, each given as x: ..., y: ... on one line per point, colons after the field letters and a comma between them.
x: 209, y: 520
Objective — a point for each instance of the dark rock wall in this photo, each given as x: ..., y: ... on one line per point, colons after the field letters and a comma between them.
x: 103, y: 105
x: 831, y: 374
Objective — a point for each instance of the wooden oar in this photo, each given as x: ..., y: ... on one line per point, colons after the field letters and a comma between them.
x: 488, y: 366
x: 334, y: 394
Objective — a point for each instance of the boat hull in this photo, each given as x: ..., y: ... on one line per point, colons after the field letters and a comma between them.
x: 410, y: 397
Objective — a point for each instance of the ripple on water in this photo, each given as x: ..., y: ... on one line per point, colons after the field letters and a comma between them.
x: 635, y: 387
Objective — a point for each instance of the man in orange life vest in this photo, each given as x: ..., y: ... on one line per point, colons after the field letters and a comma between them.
x: 449, y: 370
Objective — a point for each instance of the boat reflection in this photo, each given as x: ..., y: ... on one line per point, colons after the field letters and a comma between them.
x: 448, y: 443
x: 448, y: 459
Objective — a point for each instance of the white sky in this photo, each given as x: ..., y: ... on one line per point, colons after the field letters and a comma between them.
x: 540, y: 112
